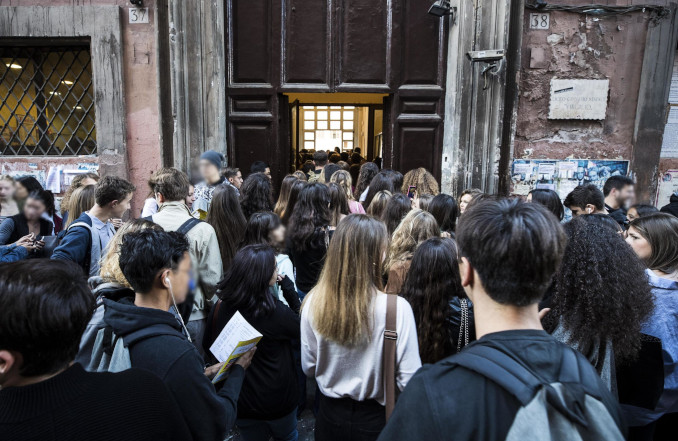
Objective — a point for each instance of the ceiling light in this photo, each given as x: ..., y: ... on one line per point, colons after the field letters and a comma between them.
x: 54, y: 93
x: 13, y: 66
x: 78, y: 107
x: 67, y: 82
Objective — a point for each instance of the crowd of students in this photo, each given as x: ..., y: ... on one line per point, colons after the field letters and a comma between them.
x: 487, y: 317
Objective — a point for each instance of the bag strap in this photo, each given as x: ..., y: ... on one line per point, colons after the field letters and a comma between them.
x: 188, y: 225
x: 389, y: 358
x: 215, y: 334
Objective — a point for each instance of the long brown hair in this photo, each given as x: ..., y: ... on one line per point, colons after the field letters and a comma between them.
x: 81, y: 200
x: 415, y: 228
x: 661, y: 232
x: 378, y: 204
x: 228, y: 221
x: 342, y: 299
x: 283, y: 199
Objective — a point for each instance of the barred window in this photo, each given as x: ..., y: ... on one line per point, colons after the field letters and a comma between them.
x: 46, y: 100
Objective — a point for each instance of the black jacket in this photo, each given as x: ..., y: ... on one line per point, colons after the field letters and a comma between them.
x: 672, y: 206
x: 446, y: 401
x: 270, y: 389
x: 157, y: 344
x: 618, y: 214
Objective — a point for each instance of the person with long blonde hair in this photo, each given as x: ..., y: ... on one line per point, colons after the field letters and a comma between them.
x: 342, y: 326
x: 81, y: 200
x: 416, y: 227
x: 343, y: 178
x: 111, y: 283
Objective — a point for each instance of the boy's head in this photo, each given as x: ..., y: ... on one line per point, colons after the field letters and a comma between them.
x: 585, y: 199
x: 513, y: 247
x: 156, y: 260
x: 620, y: 189
x: 115, y: 193
x: 320, y: 159
x: 170, y: 185
x: 45, y: 306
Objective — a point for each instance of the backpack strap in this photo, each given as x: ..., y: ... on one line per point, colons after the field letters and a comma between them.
x: 188, y: 225
x: 148, y: 218
x: 389, y: 358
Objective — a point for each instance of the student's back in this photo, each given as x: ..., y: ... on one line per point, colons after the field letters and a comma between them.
x: 77, y: 405
x: 449, y: 399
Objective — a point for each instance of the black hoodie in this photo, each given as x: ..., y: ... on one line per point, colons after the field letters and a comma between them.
x: 157, y: 344
x: 672, y: 206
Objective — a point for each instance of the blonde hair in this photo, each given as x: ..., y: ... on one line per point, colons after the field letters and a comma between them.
x: 351, y: 277
x: 75, y: 184
x: 343, y: 178
x: 7, y: 178
x: 422, y: 179
x: 415, y: 228
x: 110, y: 266
x: 81, y: 200
x: 378, y: 204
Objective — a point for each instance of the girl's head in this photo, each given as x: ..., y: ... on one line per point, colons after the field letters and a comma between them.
x: 338, y: 203
x: 300, y: 175
x: 415, y: 228
x: 81, y: 200
x: 256, y: 194
x: 654, y: 238
x: 37, y: 203
x: 247, y: 281
x: 466, y: 197
x: 396, y: 209
x: 444, y: 209
x: 284, y: 197
x: 599, y: 285
x: 549, y: 199
x: 354, y: 171
x: 431, y: 283
x: 264, y: 227
x: 24, y: 186
x: 422, y: 201
x: 292, y: 201
x: 342, y: 299
x: 311, y: 214
x: 640, y: 210
x: 79, y: 181
x: 378, y: 204
x: 7, y: 188
x: 367, y: 172
x: 343, y: 178
x: 110, y: 267
x: 228, y: 221
x: 422, y: 179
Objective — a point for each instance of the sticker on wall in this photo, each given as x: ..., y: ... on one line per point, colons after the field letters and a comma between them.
x: 562, y: 176
x: 668, y: 185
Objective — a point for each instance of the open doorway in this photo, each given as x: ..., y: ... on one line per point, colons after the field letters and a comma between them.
x: 341, y: 122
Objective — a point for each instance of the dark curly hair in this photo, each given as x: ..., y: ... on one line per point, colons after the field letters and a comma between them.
x: 601, y: 291
x: 256, y: 194
x: 310, y: 218
x: 367, y: 172
x: 432, y: 281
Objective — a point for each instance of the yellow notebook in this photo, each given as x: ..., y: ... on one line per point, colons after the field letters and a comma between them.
x: 237, y: 337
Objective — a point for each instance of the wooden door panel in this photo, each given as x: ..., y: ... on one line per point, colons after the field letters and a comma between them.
x: 423, y: 46
x: 249, y: 40
x: 255, y: 141
x: 365, y: 41
x: 306, y: 45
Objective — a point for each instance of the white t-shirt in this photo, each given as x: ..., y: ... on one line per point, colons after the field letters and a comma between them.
x: 356, y: 372
x: 363, y: 196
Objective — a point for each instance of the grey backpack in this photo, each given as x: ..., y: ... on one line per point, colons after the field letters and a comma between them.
x: 569, y: 409
x: 109, y: 353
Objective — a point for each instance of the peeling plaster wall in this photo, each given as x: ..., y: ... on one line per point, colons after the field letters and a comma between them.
x: 140, y: 95
x: 586, y: 47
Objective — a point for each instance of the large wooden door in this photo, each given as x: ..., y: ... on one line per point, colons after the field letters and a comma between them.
x: 372, y: 46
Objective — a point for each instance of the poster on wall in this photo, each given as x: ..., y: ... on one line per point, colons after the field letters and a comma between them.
x: 668, y: 184
x: 562, y: 176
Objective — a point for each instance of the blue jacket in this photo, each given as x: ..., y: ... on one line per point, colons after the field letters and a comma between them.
x: 156, y: 343
x: 76, y: 244
x: 12, y: 253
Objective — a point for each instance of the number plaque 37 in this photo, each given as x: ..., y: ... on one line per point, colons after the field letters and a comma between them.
x: 540, y: 20
x: 138, y: 15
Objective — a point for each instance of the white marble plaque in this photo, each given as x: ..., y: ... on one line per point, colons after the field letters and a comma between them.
x: 578, y: 99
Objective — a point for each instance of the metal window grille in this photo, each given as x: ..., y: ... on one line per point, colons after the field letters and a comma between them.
x: 46, y: 100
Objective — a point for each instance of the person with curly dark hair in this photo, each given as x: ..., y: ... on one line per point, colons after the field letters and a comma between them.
x: 308, y: 234
x: 433, y: 288
x: 367, y: 172
x: 601, y: 296
x: 256, y: 194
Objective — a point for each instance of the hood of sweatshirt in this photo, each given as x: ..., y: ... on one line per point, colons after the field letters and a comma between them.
x: 134, y: 323
x: 674, y: 198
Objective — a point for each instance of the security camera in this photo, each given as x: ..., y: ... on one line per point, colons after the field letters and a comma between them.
x: 486, y: 56
x: 139, y: 3
x: 441, y: 8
